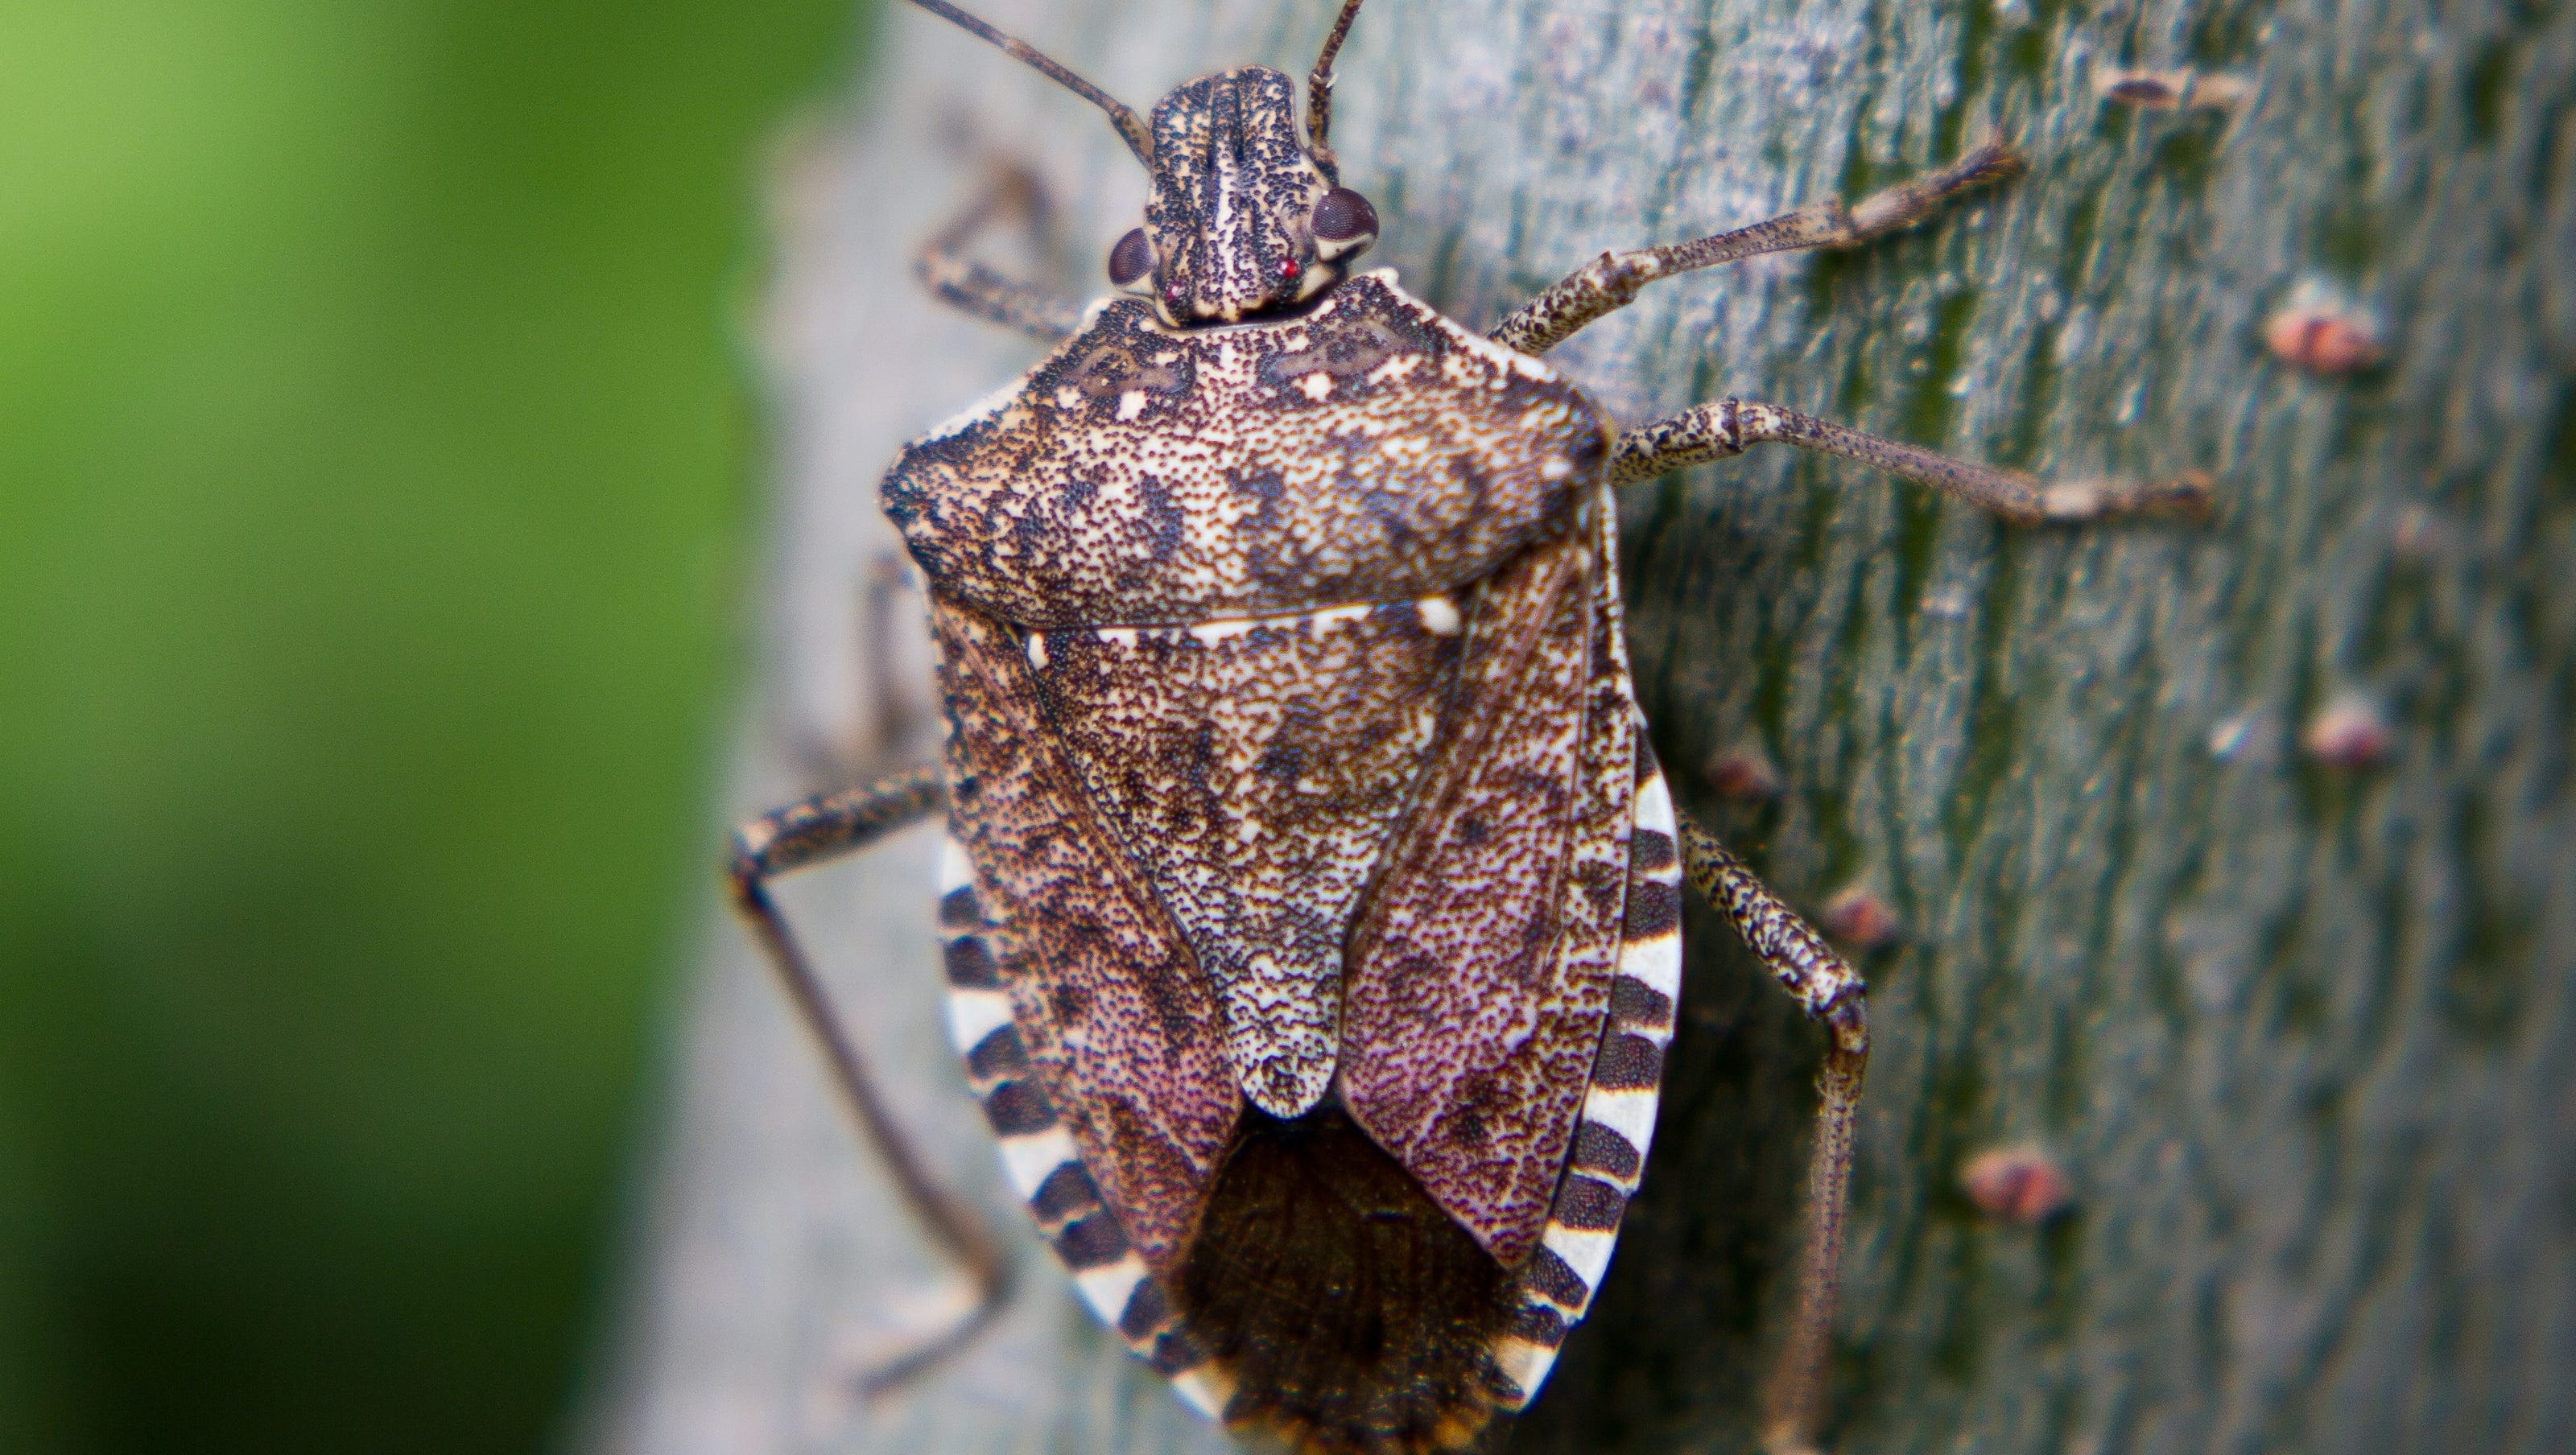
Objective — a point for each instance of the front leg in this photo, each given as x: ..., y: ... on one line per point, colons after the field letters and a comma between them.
x: 959, y: 280
x: 1728, y: 427
x: 1833, y: 995
x: 1611, y: 281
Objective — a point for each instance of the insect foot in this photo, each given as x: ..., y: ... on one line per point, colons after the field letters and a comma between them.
x: 1312, y: 912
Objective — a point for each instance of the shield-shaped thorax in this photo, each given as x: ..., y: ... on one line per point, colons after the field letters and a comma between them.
x: 1202, y: 599
x: 1367, y: 451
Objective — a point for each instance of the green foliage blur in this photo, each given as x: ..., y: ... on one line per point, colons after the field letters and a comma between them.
x: 375, y: 469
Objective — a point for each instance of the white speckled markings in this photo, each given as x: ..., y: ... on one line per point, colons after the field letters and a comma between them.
x: 1608, y: 1155
x: 1437, y: 614
x: 1245, y: 762
x: 1040, y: 1157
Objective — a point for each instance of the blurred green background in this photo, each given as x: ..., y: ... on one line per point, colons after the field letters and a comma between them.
x: 376, y: 469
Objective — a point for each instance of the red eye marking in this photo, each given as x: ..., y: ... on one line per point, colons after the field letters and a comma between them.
x: 1289, y: 268
x: 1175, y: 296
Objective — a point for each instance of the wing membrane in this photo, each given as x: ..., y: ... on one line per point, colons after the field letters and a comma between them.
x: 1105, y: 993
x: 1480, y: 971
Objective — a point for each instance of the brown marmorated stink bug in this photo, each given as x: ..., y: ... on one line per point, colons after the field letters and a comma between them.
x: 1313, y: 898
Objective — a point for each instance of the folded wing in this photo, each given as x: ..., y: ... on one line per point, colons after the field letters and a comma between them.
x: 1480, y: 969
x: 1110, y: 1007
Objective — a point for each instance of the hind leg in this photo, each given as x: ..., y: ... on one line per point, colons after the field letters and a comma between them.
x: 1832, y: 992
x: 821, y: 828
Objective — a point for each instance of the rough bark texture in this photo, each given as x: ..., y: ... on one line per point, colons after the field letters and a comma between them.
x: 2301, y: 1037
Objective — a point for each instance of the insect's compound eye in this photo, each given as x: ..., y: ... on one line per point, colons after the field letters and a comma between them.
x: 1344, y: 222
x: 1130, y: 259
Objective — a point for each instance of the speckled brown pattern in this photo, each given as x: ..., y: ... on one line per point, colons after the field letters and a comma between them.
x: 1108, y: 1000
x: 1312, y: 920
x: 1233, y: 189
x: 1369, y: 450
x: 1277, y: 654
x: 1255, y: 771
x: 1481, y: 975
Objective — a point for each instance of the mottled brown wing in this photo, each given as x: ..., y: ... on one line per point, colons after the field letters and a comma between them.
x: 1104, y: 990
x: 1480, y: 970
x: 1255, y: 772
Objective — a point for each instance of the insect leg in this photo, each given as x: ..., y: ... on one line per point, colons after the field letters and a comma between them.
x: 957, y: 279
x: 1833, y: 994
x: 825, y: 827
x: 1715, y: 431
x: 1611, y: 281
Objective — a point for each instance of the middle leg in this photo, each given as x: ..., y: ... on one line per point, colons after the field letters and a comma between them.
x: 1715, y: 431
x: 1611, y: 281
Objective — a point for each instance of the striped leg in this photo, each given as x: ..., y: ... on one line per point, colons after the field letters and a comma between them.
x: 1039, y: 1155
x: 1618, y: 1121
x: 1832, y: 993
x: 1611, y: 281
x: 1730, y: 426
x: 961, y: 282
x: 822, y: 828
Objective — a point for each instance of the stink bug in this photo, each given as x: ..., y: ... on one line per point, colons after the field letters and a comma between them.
x: 1312, y: 910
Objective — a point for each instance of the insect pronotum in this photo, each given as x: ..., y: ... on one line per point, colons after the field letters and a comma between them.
x: 1312, y: 908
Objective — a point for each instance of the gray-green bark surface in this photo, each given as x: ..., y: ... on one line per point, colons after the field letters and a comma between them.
x: 2301, y: 1037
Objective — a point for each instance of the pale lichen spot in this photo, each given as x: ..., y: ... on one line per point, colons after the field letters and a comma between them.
x: 1037, y: 650
x: 1317, y: 386
x: 1439, y: 616
x: 1130, y: 404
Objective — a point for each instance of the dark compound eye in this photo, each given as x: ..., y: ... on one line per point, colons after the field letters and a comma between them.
x: 1343, y: 215
x: 1130, y: 258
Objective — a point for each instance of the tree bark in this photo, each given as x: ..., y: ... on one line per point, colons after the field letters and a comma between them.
x: 2299, y: 1035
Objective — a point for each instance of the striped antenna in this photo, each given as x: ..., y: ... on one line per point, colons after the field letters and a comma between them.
x: 1129, y: 124
x: 1319, y: 82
